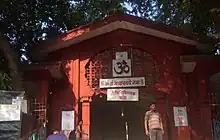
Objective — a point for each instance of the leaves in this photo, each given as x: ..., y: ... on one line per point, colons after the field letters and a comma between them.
x: 198, y: 16
x: 5, y: 81
x: 25, y: 23
x: 192, y: 16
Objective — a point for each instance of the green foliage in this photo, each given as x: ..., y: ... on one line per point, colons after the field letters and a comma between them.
x: 25, y: 23
x: 192, y: 16
x: 195, y: 14
x: 198, y: 16
x: 97, y: 9
x: 5, y: 81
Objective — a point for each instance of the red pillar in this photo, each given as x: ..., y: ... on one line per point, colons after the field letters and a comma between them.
x: 86, y: 117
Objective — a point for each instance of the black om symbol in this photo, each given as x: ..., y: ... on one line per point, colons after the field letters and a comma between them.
x: 122, y: 67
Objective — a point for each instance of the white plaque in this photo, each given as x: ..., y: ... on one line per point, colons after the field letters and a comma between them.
x: 122, y: 95
x: 180, y: 116
x: 21, y: 102
x: 121, y: 67
x: 122, y: 82
x: 67, y: 120
x: 10, y: 112
x: 24, y: 106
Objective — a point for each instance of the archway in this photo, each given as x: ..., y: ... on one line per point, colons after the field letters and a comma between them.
x: 117, y: 120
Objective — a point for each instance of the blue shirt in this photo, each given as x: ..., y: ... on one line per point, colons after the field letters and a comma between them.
x: 56, y: 137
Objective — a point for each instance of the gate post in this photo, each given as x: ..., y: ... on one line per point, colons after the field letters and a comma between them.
x: 168, y: 117
x: 86, y: 117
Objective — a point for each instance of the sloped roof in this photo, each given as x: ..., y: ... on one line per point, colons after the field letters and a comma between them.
x: 109, y: 24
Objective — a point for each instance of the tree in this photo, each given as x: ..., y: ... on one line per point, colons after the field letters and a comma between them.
x: 25, y: 23
x: 5, y: 81
x: 190, y: 15
x: 13, y: 66
x: 198, y: 16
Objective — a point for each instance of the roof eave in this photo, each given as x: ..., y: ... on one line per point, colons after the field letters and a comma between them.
x: 112, y: 27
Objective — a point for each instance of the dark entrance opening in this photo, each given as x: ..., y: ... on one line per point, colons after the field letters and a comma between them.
x: 120, y: 120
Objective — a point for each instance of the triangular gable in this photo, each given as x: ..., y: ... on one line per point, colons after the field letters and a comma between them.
x: 112, y: 23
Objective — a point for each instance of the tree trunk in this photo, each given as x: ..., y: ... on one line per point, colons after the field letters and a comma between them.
x: 13, y: 63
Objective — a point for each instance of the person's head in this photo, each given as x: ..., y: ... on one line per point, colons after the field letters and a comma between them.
x: 152, y: 106
x: 80, y: 122
x: 56, y: 131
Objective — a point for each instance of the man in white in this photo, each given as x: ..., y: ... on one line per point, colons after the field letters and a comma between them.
x: 153, y: 124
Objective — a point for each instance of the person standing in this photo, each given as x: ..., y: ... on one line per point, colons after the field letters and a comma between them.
x: 79, y: 131
x: 153, y: 123
x: 80, y: 134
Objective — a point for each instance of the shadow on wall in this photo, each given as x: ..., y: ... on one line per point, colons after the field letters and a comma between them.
x: 31, y: 121
x: 61, y: 98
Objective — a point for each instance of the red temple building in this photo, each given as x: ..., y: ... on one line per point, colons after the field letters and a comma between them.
x: 109, y: 72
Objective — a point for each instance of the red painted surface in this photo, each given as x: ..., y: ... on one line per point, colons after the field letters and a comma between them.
x: 184, y: 90
x: 109, y: 19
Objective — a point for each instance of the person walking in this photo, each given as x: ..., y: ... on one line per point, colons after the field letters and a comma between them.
x: 153, y: 123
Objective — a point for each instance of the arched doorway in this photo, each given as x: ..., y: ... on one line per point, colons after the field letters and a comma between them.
x: 122, y: 120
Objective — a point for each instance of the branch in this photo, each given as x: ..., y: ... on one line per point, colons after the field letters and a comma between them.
x: 13, y: 63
